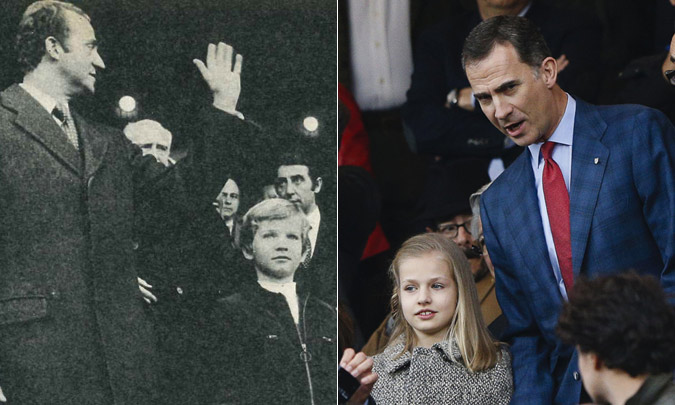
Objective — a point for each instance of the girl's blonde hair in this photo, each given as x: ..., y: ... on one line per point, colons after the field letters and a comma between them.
x: 478, y: 349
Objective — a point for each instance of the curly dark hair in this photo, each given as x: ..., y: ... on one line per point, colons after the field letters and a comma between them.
x: 41, y: 20
x: 625, y: 320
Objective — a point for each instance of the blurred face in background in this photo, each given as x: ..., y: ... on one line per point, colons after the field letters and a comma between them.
x: 228, y: 199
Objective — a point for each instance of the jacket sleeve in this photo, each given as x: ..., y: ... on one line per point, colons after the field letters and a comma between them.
x: 532, y: 379
x: 654, y: 173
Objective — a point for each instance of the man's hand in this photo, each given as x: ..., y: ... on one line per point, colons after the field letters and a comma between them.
x: 464, y: 99
x: 223, y: 79
x: 361, y: 367
x: 562, y: 62
x: 145, y: 290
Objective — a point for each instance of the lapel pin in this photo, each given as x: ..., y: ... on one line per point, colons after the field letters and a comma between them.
x: 596, y: 160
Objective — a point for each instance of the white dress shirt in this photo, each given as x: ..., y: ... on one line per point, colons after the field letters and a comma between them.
x: 381, y: 53
x: 562, y: 154
x: 314, y: 219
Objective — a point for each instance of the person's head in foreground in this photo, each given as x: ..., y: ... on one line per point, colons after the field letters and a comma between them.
x: 513, y: 76
x: 273, y: 236
x: 434, y: 300
x: 152, y: 138
x: 624, y: 331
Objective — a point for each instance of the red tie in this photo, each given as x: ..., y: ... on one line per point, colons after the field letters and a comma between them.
x: 558, y: 208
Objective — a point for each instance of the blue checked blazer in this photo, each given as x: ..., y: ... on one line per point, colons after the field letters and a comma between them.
x: 622, y: 215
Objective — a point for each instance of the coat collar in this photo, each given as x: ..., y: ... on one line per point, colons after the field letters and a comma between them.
x: 589, y: 159
x: 39, y: 124
x: 448, y: 350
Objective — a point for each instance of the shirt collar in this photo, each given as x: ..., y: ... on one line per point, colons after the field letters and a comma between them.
x: 448, y: 350
x: 314, y: 218
x: 283, y: 288
x: 46, y: 101
x: 564, y: 132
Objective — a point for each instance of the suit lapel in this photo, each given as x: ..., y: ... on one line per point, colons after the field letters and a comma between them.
x: 94, y: 145
x: 40, y: 125
x: 589, y: 159
x: 524, y: 222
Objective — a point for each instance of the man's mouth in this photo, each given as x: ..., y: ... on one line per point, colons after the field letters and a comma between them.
x: 281, y: 258
x: 515, y: 128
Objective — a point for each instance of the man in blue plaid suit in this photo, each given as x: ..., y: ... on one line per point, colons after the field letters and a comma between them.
x: 617, y: 165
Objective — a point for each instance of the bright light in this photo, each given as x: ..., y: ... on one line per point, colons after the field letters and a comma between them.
x: 127, y: 104
x: 310, y: 124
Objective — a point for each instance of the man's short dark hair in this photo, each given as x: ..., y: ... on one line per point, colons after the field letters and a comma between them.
x: 299, y: 158
x: 41, y: 20
x: 520, y: 32
x: 625, y: 320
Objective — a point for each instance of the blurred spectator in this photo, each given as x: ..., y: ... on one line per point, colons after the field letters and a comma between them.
x: 269, y: 191
x: 622, y: 327
x: 227, y: 203
x: 644, y: 82
x: 152, y: 138
x: 440, y: 113
x: 494, y: 318
x: 298, y: 182
x: 375, y: 55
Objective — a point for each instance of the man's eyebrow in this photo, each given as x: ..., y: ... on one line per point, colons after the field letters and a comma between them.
x: 297, y: 177
x: 500, y: 89
x: 506, y: 85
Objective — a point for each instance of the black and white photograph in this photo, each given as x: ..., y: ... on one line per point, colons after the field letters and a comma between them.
x: 168, y: 198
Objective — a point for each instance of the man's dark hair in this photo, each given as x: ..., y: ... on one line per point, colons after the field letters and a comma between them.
x: 299, y: 158
x: 41, y: 20
x: 625, y: 320
x: 517, y: 31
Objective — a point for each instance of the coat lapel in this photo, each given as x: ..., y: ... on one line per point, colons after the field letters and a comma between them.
x: 524, y: 222
x: 40, y: 125
x: 94, y: 145
x: 589, y: 159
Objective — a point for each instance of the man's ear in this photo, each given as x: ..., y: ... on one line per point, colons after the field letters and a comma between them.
x: 317, y: 185
x: 53, y: 48
x: 248, y: 252
x: 549, y: 71
x: 429, y: 230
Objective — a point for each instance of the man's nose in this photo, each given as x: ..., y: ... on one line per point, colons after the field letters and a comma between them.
x: 98, y: 61
x: 463, y: 238
x: 502, y: 108
x: 290, y: 190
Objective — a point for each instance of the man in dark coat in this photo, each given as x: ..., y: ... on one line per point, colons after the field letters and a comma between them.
x: 73, y: 324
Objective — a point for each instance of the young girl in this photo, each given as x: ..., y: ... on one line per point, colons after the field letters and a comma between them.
x: 440, y: 351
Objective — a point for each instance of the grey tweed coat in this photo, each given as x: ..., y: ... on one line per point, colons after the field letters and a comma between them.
x: 431, y: 376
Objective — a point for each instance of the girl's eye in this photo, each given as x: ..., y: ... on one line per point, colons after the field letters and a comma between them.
x: 437, y: 285
x: 409, y: 288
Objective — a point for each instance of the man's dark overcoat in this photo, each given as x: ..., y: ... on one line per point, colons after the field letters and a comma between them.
x: 73, y: 327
